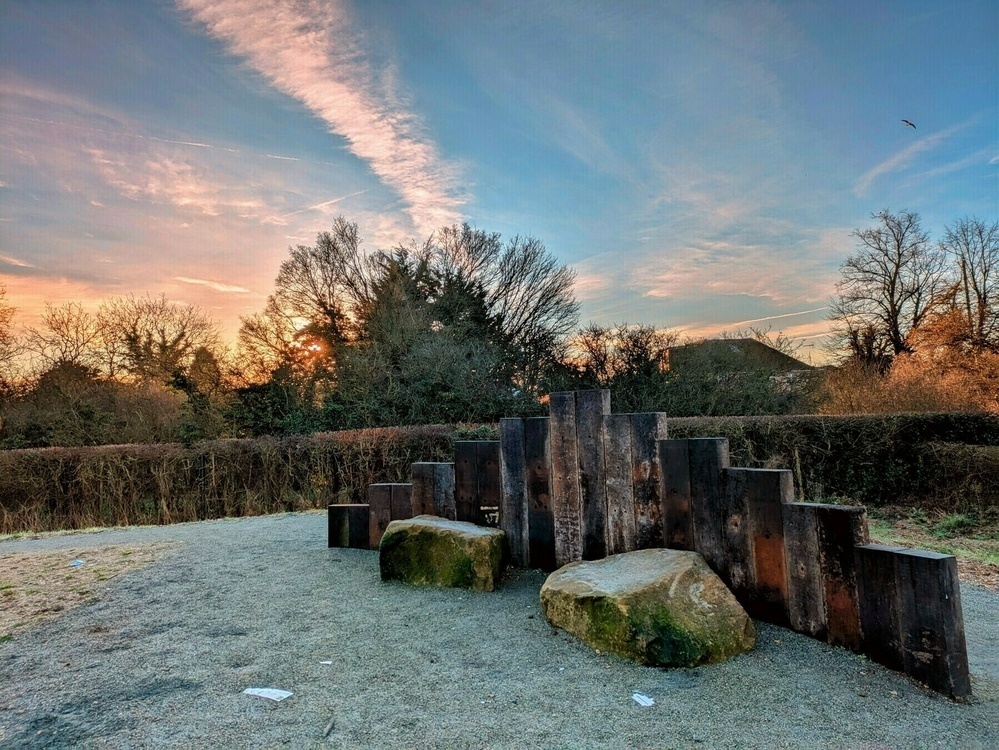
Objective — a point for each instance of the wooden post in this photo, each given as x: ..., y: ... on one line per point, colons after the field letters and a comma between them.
x: 840, y: 529
x: 402, y: 501
x: 465, y: 489
x: 379, y: 512
x: 736, y: 567
x: 934, y: 650
x: 591, y: 408
x: 489, y: 485
x: 767, y: 491
x: 877, y: 592
x: 805, y: 599
x: 513, y: 501
x: 433, y: 489
x: 619, y: 476
x: 540, y: 521
x: 754, y: 539
x: 566, y: 509
x: 708, y: 457
x: 646, y: 432
x: 674, y: 460
x: 348, y: 526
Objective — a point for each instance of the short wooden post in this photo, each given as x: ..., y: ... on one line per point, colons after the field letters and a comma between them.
x: 708, y: 457
x: 566, y: 508
x: 540, y: 521
x: 934, y: 649
x: 348, y: 526
x: 840, y: 529
x: 513, y: 501
x: 805, y: 598
x: 402, y: 501
x: 736, y: 567
x: 619, y: 476
x: 433, y: 489
x: 878, y: 598
x: 646, y: 432
x: 379, y: 512
x: 674, y: 459
x: 591, y: 408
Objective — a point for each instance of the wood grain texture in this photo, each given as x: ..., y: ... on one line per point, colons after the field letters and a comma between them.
x: 647, y: 430
x: 566, y: 508
x: 540, y: 521
x: 674, y: 459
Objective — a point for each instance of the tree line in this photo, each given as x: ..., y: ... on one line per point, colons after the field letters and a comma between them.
x: 467, y: 327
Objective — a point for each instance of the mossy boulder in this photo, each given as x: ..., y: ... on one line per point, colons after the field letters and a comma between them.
x: 432, y: 551
x: 658, y: 607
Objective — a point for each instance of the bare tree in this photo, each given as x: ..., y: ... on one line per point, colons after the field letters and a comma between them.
x: 11, y: 346
x: 887, y: 288
x: 154, y: 338
x: 69, y: 334
x: 973, y: 244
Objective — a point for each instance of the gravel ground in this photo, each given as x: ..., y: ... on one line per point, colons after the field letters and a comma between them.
x: 162, y: 658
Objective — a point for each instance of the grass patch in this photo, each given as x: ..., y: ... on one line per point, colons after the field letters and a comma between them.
x: 959, y: 534
x: 5, y: 638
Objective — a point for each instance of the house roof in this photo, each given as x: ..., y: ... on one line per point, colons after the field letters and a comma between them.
x: 734, y: 355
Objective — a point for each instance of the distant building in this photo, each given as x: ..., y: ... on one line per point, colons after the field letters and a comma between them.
x: 733, y: 355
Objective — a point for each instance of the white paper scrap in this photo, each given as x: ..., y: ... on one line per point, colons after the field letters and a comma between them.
x: 325, y: 662
x: 273, y: 694
x: 76, y: 563
x: 642, y: 699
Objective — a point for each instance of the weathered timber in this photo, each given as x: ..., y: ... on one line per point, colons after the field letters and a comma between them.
x: 402, y: 501
x: 878, y: 598
x: 513, y: 513
x: 805, y: 598
x: 767, y: 491
x: 433, y: 489
x: 487, y: 473
x: 736, y: 568
x: 540, y: 521
x: 678, y: 530
x: 708, y: 457
x: 840, y: 529
x: 465, y: 484
x: 379, y: 512
x: 348, y: 525
x: 568, y: 516
x: 591, y: 408
x: 620, y: 484
x: 934, y: 649
x: 646, y: 432
x: 422, y: 476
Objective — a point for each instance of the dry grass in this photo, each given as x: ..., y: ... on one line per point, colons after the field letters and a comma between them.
x: 37, y: 586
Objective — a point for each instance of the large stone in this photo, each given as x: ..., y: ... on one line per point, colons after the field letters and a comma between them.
x: 659, y: 607
x: 433, y: 551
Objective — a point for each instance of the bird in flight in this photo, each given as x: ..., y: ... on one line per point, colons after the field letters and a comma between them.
x: 909, y: 124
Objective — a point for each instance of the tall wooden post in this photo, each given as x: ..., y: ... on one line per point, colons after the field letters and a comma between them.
x: 379, y: 512
x: 591, y: 408
x: 540, y: 521
x: 708, y: 458
x: 514, y: 502
x: 840, y: 529
x: 568, y: 514
x: 433, y: 489
x: 805, y: 599
x: 620, y: 478
x: 678, y: 529
x: 877, y: 592
x: 646, y: 432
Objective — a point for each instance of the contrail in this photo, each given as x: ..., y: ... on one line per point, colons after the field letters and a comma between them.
x: 775, y: 317
x: 325, y: 203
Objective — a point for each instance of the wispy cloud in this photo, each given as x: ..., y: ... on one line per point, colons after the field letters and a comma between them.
x: 215, y: 285
x: 904, y: 158
x: 16, y: 262
x: 309, y: 51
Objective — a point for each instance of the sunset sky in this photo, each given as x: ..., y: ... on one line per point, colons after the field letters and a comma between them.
x: 699, y: 164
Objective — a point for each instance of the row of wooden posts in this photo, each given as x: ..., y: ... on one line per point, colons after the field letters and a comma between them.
x: 584, y: 483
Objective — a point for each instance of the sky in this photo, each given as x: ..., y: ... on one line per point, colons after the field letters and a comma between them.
x: 701, y: 166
